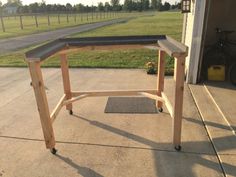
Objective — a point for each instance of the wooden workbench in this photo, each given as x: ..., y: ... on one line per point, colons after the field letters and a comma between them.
x: 165, y: 45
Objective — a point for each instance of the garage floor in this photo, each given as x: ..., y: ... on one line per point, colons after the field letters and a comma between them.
x: 92, y: 143
x: 224, y: 94
x: 216, y: 104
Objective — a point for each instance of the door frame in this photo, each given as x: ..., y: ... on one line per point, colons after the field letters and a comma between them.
x: 195, y: 52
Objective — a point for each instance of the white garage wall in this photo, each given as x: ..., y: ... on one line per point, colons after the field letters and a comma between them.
x: 195, y: 22
x: 189, y: 33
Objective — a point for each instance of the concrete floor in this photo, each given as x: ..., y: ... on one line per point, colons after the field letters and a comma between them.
x: 94, y: 144
x: 216, y: 104
x: 222, y: 91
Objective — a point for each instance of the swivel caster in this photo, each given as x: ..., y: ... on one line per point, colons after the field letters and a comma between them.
x: 70, y: 112
x: 178, y: 148
x: 160, y: 109
x: 53, y: 151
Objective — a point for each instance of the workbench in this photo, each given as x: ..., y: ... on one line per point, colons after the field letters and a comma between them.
x: 163, y: 43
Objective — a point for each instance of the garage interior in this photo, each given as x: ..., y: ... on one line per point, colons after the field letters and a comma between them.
x: 221, y: 15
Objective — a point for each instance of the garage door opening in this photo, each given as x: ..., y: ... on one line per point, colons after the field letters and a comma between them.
x: 218, y: 58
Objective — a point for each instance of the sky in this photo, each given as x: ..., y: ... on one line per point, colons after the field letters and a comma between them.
x: 85, y: 2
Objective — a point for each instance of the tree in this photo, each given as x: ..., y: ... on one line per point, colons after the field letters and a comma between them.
x: 24, y: 9
x: 128, y: 5
x: 156, y: 4
x: 0, y: 7
x: 100, y: 6
x: 68, y: 7
x: 115, y: 4
x: 43, y: 6
x: 145, y: 4
x: 176, y: 6
x: 165, y: 7
x: 14, y: 2
x: 80, y: 7
x: 34, y: 8
x: 107, y: 6
x: 137, y: 5
x: 159, y: 4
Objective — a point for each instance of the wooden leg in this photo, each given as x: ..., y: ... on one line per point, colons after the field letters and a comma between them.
x: 66, y: 80
x: 160, y: 77
x: 42, y: 103
x: 178, y: 103
x: 175, y: 66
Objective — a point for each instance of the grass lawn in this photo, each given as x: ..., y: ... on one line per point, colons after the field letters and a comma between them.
x: 130, y: 58
x: 162, y: 23
x: 168, y: 23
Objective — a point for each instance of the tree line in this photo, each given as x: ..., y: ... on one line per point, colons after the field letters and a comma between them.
x: 113, y: 5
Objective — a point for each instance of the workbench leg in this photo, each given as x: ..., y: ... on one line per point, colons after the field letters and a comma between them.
x: 42, y: 103
x: 175, y: 66
x: 178, y: 103
x: 66, y: 80
x: 160, y: 78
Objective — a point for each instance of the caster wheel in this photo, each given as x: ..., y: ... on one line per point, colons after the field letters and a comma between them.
x: 53, y: 151
x: 71, y: 112
x: 160, y: 109
x: 178, y: 148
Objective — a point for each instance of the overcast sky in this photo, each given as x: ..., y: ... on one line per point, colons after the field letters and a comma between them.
x: 85, y: 2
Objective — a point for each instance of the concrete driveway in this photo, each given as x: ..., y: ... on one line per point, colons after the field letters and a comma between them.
x: 92, y: 143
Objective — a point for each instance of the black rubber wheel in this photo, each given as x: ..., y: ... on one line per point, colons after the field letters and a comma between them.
x: 71, y: 112
x: 160, y: 109
x: 178, y: 148
x: 53, y: 151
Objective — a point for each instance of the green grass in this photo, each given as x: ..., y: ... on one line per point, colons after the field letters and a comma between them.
x: 130, y: 58
x: 168, y: 23
x: 119, y: 58
x: 12, y: 24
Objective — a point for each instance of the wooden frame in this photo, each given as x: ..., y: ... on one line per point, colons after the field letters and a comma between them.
x: 166, y: 46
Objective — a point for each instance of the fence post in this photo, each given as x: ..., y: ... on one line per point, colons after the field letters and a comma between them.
x: 81, y: 16
x: 58, y: 19
x: 87, y: 16
x: 2, y: 22
x: 49, y: 20
x: 75, y: 17
x: 67, y: 18
x: 21, y: 23
x: 36, y: 20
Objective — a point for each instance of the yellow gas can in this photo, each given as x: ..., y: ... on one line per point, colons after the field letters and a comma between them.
x: 216, y: 73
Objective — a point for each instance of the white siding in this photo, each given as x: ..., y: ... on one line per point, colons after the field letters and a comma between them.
x: 193, y: 38
x: 189, y: 33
